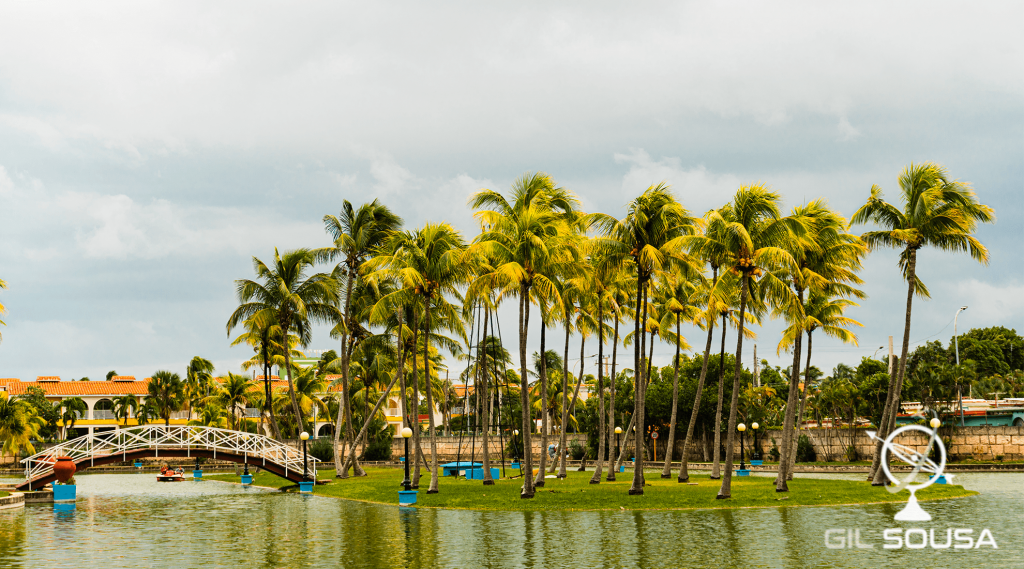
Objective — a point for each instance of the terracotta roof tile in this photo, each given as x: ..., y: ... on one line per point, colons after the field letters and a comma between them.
x: 72, y: 388
x: 123, y: 378
x: 48, y: 378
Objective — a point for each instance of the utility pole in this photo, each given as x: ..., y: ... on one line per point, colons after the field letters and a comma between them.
x: 890, y: 356
x: 956, y: 344
x: 757, y: 378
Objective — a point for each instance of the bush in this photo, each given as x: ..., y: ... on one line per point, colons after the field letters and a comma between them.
x: 322, y: 449
x: 380, y: 442
x: 805, y: 450
x: 774, y: 453
x: 576, y: 451
x: 514, y: 447
x: 851, y: 453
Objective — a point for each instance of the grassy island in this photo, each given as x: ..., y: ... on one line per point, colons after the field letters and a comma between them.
x: 575, y: 492
x: 4, y: 494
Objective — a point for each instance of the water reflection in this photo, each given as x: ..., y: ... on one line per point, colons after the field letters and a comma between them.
x: 132, y: 521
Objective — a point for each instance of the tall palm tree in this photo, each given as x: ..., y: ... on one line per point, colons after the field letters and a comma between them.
x: 356, y: 233
x: 268, y: 346
x: 198, y: 377
x: 937, y: 212
x: 290, y: 298
x: 524, y: 236
x: 125, y: 406
x: 651, y: 236
x: 166, y: 394
x: 72, y: 409
x: 827, y: 258
x: 429, y: 265
x: 676, y: 292
x: 754, y: 251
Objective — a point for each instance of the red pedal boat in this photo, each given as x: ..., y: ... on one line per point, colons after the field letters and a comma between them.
x: 170, y: 475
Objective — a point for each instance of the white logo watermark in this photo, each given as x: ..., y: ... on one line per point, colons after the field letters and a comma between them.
x: 912, y: 538
x: 921, y: 463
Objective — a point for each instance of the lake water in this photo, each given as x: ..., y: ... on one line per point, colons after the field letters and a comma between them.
x: 132, y: 521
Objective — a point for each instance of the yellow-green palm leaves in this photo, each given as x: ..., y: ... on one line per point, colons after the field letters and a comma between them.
x: 19, y: 424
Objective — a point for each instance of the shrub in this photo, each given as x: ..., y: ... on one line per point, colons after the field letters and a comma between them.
x: 322, y: 449
x: 774, y: 453
x: 805, y: 450
x: 379, y: 447
x: 576, y: 451
x: 851, y: 453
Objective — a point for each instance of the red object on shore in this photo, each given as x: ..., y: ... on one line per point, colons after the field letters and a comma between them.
x: 64, y: 468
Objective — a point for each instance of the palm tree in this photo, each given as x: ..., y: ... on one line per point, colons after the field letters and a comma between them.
x: 827, y: 258
x: 125, y: 406
x: 356, y: 232
x: 937, y: 212
x: 268, y: 345
x: 290, y: 298
x: 524, y: 237
x: 198, y: 376
x: 234, y: 393
x: 210, y: 416
x: 19, y: 424
x: 429, y: 265
x: 754, y: 241
x: 675, y: 295
x: 72, y: 409
x: 166, y: 394
x: 146, y: 413
x: 651, y: 236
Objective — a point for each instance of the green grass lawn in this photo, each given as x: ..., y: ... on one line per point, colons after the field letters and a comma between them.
x: 575, y: 493
x: 4, y: 494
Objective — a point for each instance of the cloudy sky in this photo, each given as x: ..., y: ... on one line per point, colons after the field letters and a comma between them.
x: 149, y: 150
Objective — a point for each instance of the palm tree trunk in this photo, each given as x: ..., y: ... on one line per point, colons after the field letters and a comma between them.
x: 524, y: 396
x: 539, y: 480
x: 788, y: 452
x: 684, y: 474
x: 639, y: 345
x: 892, y: 403
x: 343, y: 404
x: 666, y: 472
x: 599, y: 465
x: 430, y: 401
x: 726, y: 490
x: 800, y: 413
x: 716, y: 471
x: 416, y: 398
x: 565, y: 403
x: 398, y: 378
x: 613, y: 460
x: 485, y: 393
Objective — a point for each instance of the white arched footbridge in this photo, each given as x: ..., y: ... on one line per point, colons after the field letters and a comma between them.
x: 159, y: 441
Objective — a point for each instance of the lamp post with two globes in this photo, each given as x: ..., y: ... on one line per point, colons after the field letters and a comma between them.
x: 743, y: 465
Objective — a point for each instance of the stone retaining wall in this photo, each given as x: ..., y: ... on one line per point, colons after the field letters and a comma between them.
x: 448, y: 447
x: 978, y: 443
x: 15, y: 500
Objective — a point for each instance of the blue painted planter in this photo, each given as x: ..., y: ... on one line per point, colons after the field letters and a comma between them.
x: 407, y: 498
x: 138, y: 464
x: 478, y: 474
x: 622, y: 468
x: 197, y: 474
x: 64, y: 492
x: 755, y: 462
x: 306, y: 487
x: 942, y: 479
x: 402, y: 459
x: 515, y: 465
x: 247, y: 479
x: 742, y: 472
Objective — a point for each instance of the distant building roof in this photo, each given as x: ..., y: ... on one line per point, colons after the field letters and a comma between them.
x: 79, y: 388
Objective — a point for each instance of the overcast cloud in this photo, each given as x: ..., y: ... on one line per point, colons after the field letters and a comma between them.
x: 149, y: 150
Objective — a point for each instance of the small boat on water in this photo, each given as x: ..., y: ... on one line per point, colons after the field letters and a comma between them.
x: 170, y: 475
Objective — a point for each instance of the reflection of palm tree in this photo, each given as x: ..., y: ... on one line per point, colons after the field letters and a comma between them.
x: 124, y: 407
x: 937, y: 212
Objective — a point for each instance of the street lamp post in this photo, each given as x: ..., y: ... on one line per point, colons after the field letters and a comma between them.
x: 756, y: 453
x: 407, y: 483
x: 742, y: 429
x: 305, y: 456
x: 618, y: 448
x: 956, y: 348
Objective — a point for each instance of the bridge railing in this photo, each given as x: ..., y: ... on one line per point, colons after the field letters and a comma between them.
x: 157, y: 437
